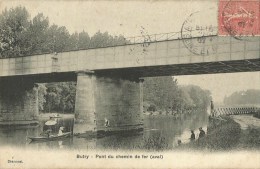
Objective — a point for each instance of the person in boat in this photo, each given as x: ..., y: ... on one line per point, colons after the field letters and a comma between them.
x: 202, y: 133
x: 192, y: 137
x: 61, y: 131
x: 48, y: 133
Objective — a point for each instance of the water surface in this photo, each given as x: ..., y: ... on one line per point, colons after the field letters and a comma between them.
x: 161, y: 132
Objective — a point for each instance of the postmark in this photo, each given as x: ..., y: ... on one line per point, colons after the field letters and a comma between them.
x: 199, y: 37
x: 239, y: 19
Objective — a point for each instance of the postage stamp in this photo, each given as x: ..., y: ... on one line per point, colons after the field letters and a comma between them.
x: 239, y: 18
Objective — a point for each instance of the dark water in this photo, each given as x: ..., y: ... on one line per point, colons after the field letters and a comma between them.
x: 161, y: 132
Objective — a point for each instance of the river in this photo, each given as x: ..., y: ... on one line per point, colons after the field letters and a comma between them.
x: 161, y: 132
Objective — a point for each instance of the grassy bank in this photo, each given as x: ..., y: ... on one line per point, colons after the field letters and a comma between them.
x: 250, y: 139
x: 222, y: 135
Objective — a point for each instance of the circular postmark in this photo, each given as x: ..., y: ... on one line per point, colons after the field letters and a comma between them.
x: 199, y: 34
x: 241, y: 19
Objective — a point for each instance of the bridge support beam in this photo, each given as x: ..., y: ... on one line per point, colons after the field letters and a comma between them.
x: 107, y: 104
x: 18, y: 102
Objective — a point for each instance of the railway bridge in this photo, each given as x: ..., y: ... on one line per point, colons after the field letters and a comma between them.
x: 109, y: 93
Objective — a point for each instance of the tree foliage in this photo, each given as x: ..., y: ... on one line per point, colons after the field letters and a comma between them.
x: 248, y: 97
x: 163, y: 93
x: 196, y: 97
x: 21, y: 36
x: 60, y: 97
x: 42, y: 91
x: 14, y: 24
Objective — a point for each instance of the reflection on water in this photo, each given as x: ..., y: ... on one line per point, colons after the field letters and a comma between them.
x: 160, y: 132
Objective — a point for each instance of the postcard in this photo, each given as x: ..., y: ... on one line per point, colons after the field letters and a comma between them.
x: 129, y: 84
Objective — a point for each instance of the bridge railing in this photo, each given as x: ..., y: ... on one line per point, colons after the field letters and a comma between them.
x: 235, y: 110
x: 150, y: 38
x: 153, y: 38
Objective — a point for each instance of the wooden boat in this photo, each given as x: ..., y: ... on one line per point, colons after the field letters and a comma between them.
x: 51, y: 138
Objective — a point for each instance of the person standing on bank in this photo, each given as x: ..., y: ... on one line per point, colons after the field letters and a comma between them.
x: 192, y: 137
x: 202, y: 133
x: 212, y: 108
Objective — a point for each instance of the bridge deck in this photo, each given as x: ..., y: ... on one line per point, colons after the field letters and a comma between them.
x: 171, y: 57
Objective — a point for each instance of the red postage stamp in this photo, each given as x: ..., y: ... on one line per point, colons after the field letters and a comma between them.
x: 239, y: 17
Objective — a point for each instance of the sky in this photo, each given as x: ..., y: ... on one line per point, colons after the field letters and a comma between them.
x: 117, y: 17
x: 128, y: 18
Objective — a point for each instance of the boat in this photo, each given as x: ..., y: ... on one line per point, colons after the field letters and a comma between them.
x: 51, y: 138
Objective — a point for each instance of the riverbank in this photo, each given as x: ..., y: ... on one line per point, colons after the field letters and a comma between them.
x: 250, y: 137
x: 172, y: 113
x: 19, y: 123
x: 247, y: 121
x: 225, y: 134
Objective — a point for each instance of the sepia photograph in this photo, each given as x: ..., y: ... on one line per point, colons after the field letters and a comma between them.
x: 129, y: 84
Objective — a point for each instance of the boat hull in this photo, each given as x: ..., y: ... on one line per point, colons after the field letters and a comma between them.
x: 51, y: 138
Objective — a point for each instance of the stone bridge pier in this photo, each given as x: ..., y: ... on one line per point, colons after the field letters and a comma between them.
x: 18, y: 102
x: 108, y: 103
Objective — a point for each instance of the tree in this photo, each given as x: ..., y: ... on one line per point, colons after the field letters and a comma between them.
x: 160, y: 91
x: 58, y: 39
x: 84, y: 40
x: 60, y: 97
x: 200, y: 98
x: 164, y: 93
x: 104, y: 40
x: 100, y: 40
x: 74, y: 41
x: 14, y: 25
x: 67, y: 96
x: 37, y: 33
x: 52, y: 97
x: 41, y: 96
x: 248, y: 97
